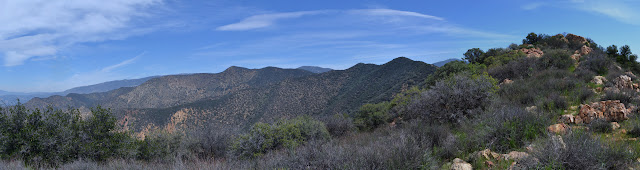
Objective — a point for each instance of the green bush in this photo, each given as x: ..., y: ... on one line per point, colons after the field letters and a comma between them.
x: 370, y: 116
x: 159, y: 146
x: 284, y: 134
x: 600, y: 126
x: 504, y: 128
x: 102, y: 141
x: 454, y: 99
x: 596, y: 62
x: 626, y: 96
x: 50, y: 138
x: 559, y: 58
x: 501, y: 57
x: 551, y: 89
x: 452, y: 68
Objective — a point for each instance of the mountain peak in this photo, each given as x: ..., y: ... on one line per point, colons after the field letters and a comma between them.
x: 401, y: 60
x: 314, y: 69
x: 235, y: 69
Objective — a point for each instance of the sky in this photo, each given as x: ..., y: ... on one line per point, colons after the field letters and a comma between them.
x: 54, y: 45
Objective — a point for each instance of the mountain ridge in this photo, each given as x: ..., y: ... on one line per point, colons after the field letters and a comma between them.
x: 239, y: 97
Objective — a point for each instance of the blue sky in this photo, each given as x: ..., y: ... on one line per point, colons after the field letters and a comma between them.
x: 54, y: 45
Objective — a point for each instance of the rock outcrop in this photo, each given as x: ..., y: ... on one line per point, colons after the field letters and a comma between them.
x: 610, y: 110
x: 584, y: 50
x: 576, y: 39
x: 623, y: 81
x: 459, y: 164
x: 532, y: 52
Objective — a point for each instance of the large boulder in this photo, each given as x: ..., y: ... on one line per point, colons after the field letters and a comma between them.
x: 532, y: 52
x: 610, y: 110
x: 459, y: 164
x: 623, y: 81
x: 559, y: 128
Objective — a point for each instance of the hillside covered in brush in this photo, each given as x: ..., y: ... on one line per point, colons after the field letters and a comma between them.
x: 239, y: 97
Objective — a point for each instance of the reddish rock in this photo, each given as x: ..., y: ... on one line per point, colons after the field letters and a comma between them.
x: 559, y: 128
x: 576, y: 39
x: 532, y: 52
x: 610, y: 110
x: 584, y: 50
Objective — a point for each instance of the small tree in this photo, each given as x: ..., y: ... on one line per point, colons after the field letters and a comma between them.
x: 532, y: 38
x: 474, y: 55
x: 612, y: 51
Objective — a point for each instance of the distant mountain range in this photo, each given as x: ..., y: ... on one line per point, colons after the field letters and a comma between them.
x: 106, y: 86
x: 239, y: 97
x: 442, y: 63
x: 10, y: 97
x: 315, y: 69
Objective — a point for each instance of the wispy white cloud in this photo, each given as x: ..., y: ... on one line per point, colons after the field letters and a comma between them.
x: 621, y: 10
x: 391, y: 12
x: 264, y: 20
x: 33, y: 28
x: 121, y: 64
x: 532, y: 6
x: 358, y: 35
x: 100, y: 75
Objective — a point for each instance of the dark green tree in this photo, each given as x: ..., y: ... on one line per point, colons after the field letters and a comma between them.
x: 612, y: 51
x: 532, y: 38
x: 474, y: 55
